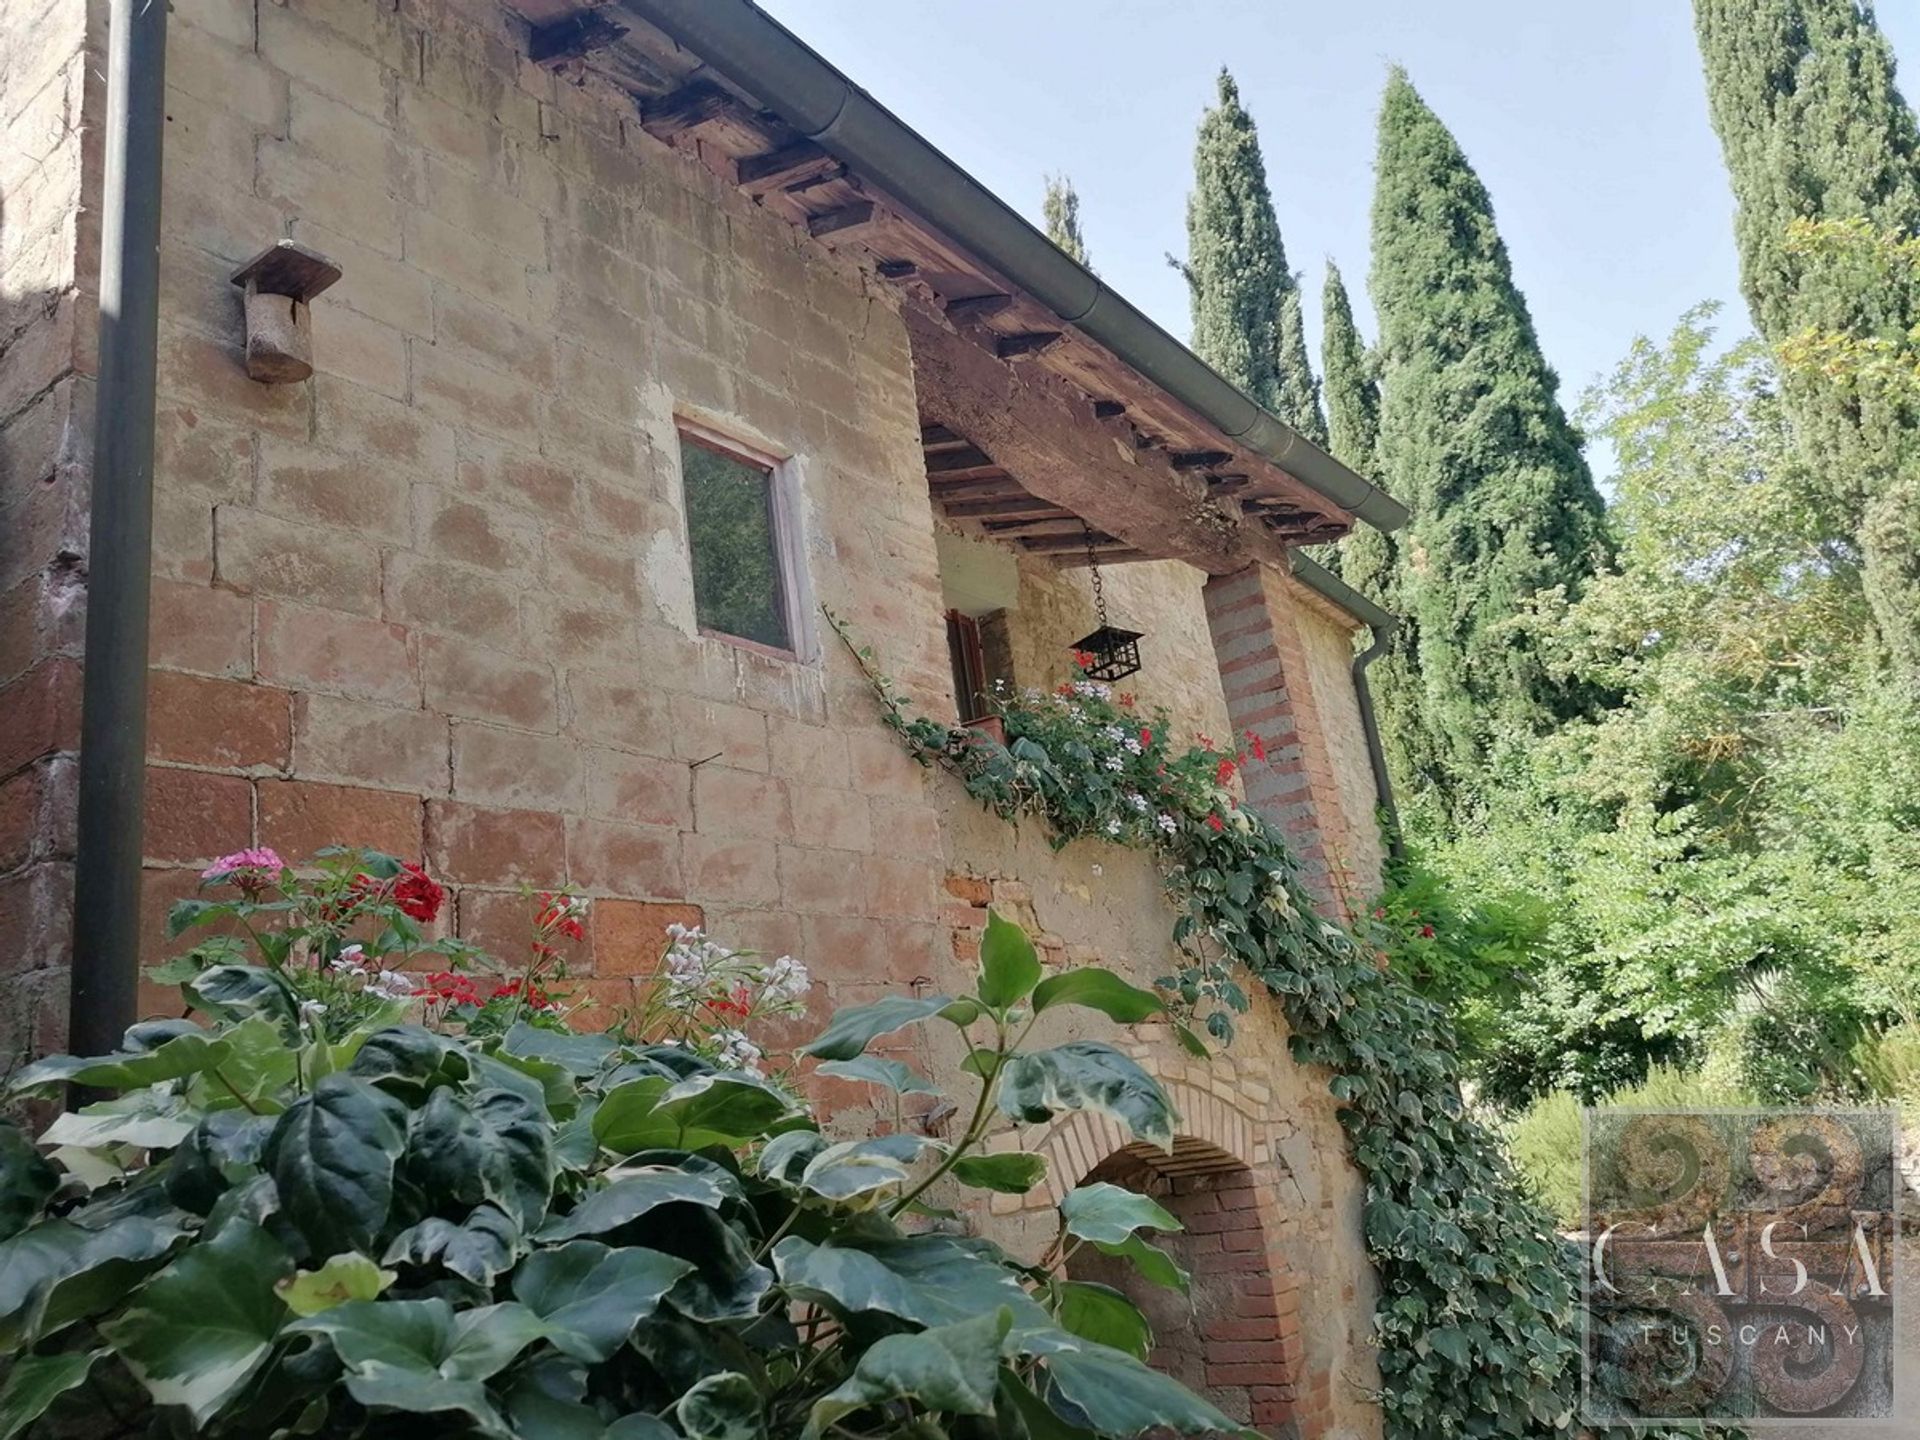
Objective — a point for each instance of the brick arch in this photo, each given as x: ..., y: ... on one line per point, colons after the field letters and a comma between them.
x: 1238, y: 1338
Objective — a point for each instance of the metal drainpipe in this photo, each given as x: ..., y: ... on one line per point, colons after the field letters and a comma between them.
x: 113, y: 717
x: 1370, y: 726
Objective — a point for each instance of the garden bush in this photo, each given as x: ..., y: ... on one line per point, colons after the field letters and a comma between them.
x: 356, y: 1195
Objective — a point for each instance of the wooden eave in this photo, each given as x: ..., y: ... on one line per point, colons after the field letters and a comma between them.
x: 1257, y: 509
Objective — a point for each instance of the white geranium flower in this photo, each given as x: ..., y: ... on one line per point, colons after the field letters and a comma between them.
x: 1167, y: 823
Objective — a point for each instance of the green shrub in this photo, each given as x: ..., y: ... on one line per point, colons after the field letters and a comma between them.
x: 314, y: 1216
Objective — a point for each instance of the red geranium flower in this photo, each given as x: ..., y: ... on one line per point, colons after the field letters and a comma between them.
x: 1215, y: 822
x: 1257, y: 745
x: 1146, y: 738
x: 417, y: 894
x: 1426, y: 932
x: 1225, y: 773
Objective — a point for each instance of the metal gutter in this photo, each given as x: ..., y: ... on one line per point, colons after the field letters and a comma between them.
x: 113, y: 717
x: 754, y: 52
x: 1318, y: 578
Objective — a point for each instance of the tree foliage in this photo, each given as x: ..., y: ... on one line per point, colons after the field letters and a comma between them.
x: 1364, y: 558
x: 1236, y: 270
x: 1474, y: 440
x: 1814, y: 128
x: 1061, y: 210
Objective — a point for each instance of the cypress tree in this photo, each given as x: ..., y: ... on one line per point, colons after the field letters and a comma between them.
x: 1363, y: 558
x: 1803, y: 97
x: 1474, y: 440
x: 1061, y: 209
x: 1237, y: 274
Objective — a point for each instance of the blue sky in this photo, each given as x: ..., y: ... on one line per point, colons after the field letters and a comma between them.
x: 1586, y: 118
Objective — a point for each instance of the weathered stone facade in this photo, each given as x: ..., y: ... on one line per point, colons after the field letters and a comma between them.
x: 438, y: 600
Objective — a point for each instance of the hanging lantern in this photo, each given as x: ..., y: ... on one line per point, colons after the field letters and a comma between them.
x: 1115, y: 652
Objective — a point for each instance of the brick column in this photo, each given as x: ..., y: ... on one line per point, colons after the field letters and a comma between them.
x: 1263, y: 670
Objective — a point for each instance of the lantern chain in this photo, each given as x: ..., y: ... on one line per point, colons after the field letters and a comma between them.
x: 1093, y: 569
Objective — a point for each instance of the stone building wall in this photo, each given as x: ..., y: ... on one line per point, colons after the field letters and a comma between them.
x: 437, y: 599
x: 49, y: 248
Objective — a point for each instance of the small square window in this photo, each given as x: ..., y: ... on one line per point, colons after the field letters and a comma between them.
x: 741, y: 584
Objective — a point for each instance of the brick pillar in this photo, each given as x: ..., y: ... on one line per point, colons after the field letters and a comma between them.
x: 1263, y: 670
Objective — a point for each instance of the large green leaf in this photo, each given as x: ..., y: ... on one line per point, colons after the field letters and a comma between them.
x: 632, y: 1196
x: 495, y: 1147
x: 727, y: 1282
x: 1100, y: 990
x: 853, y: 1029
x: 239, y: 992
x: 786, y: 1156
x: 57, y: 1272
x: 342, y: 1279
x: 479, y: 1249
x: 332, y: 1156
x: 146, y: 1119
x: 1009, y: 965
x: 721, y: 1108
x: 36, y: 1381
x: 26, y: 1180
x: 726, y: 1406
x: 591, y: 1295
x: 865, y: 1169
x: 409, y: 1060
x: 181, y: 1056
x: 1110, y: 1213
x: 1014, y: 1172
x: 197, y: 1332
x: 578, y: 1055
x: 1110, y: 1392
x: 951, y: 1369
x: 1154, y: 1264
x: 1087, y: 1075
x: 1103, y: 1314
x: 261, y: 1070
x: 927, y: 1279
x: 877, y: 1070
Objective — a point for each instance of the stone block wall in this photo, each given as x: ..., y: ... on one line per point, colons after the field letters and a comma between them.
x: 49, y: 246
x: 437, y: 598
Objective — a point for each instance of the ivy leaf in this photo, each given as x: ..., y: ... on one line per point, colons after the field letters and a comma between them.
x: 785, y: 1157
x: 26, y: 1180
x: 951, y: 1369
x: 591, y: 1295
x: 36, y: 1381
x: 1013, y: 1173
x: 1451, y: 1342
x: 131, y: 1070
x: 477, y: 1250
x: 261, y: 1067
x: 717, y: 1108
x: 859, y: 1168
x: 343, y: 1278
x: 1009, y: 965
x: 721, y: 1407
x: 1102, y: 1314
x: 57, y: 1272
x: 1108, y: 1214
x: 1100, y: 990
x: 409, y: 1060
x: 632, y: 1196
x: 197, y: 1332
x: 1086, y: 1075
x: 186, y: 914
x: 332, y: 1157
x: 876, y: 1070
x: 1154, y: 1264
x: 851, y: 1030
x: 1108, y: 1391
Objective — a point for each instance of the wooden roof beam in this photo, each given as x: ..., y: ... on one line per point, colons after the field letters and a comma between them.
x: 1043, y: 433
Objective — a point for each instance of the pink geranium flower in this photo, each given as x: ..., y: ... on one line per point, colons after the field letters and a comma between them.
x: 259, y: 862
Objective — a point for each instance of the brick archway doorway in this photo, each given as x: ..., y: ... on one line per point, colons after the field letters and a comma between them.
x: 1235, y: 1337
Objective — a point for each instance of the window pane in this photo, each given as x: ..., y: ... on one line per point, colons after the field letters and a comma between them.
x: 736, y: 568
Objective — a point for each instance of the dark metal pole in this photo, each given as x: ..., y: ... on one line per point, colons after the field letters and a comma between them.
x: 1370, y: 725
x: 113, y: 718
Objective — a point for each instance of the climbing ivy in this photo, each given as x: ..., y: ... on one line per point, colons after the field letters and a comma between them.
x: 1476, y: 1323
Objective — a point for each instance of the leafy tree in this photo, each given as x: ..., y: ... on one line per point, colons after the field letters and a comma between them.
x: 1237, y: 273
x: 1364, y: 558
x: 1061, y: 208
x: 1474, y: 440
x: 1803, y: 97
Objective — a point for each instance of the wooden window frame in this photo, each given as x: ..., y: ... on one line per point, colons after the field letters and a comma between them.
x: 784, y: 524
x: 969, y: 663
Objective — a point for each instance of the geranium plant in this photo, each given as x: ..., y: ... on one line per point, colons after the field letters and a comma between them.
x: 387, y: 1219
